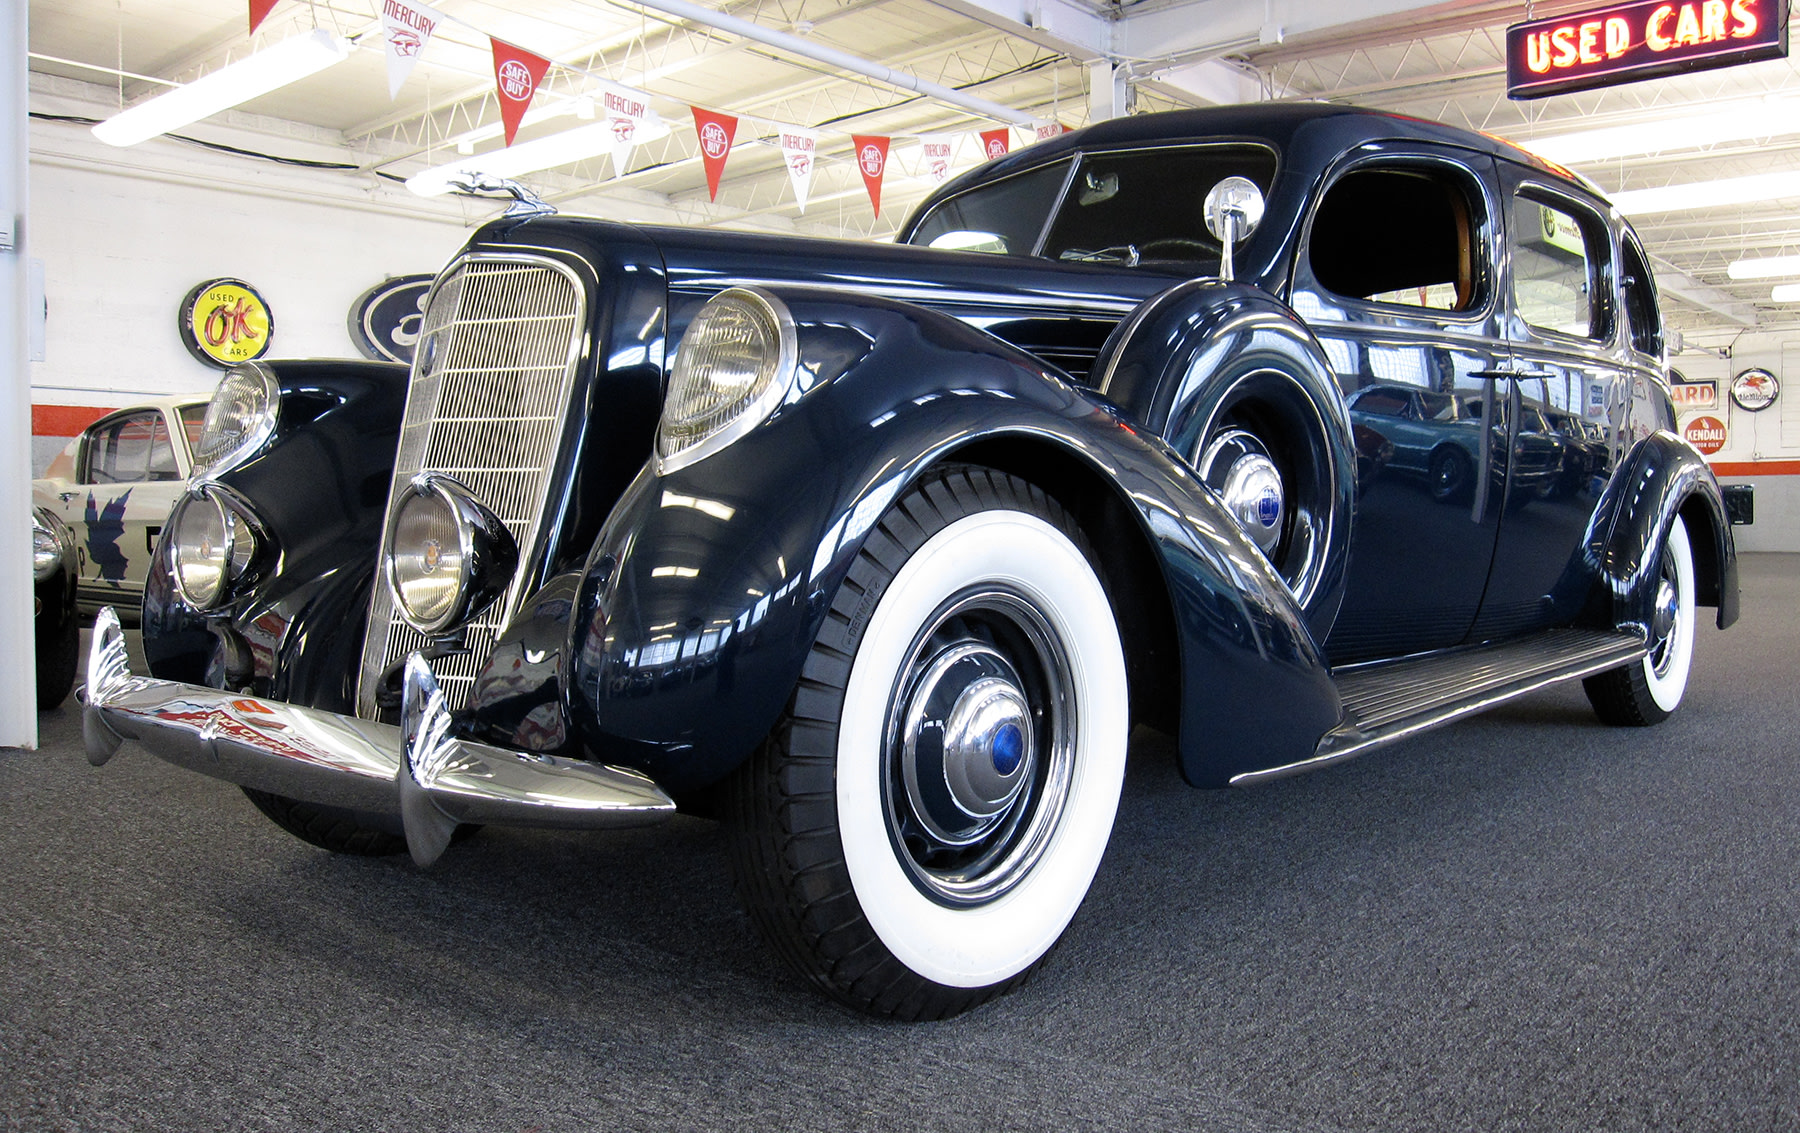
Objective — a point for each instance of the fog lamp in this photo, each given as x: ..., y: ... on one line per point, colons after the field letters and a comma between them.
x: 447, y: 556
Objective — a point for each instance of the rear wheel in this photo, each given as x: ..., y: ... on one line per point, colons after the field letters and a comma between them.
x: 1645, y: 692
x: 922, y: 825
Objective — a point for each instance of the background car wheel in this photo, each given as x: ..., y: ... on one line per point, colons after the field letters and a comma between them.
x: 58, y: 658
x: 1449, y: 474
x: 921, y: 826
x: 1647, y: 691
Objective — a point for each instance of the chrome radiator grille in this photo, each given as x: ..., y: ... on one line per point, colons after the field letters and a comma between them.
x: 491, y: 381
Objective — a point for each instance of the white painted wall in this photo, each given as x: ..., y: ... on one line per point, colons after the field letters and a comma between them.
x: 123, y: 235
x: 1769, y: 438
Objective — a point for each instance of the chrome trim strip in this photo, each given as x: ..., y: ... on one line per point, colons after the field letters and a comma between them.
x: 322, y: 757
x: 1348, y: 739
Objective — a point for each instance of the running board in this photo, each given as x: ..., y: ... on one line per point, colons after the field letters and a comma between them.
x: 1389, y: 700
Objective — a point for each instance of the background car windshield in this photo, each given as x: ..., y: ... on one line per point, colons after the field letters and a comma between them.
x: 1005, y: 217
x: 1148, y: 205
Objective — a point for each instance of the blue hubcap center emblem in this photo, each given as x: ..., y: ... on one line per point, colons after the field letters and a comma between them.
x: 1008, y: 749
x: 1268, y: 507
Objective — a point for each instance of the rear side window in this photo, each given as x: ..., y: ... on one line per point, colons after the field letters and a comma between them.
x: 1005, y: 217
x: 1556, y: 273
x: 1404, y: 236
x: 129, y: 450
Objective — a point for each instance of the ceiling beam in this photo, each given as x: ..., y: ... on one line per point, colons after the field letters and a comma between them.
x: 1671, y: 280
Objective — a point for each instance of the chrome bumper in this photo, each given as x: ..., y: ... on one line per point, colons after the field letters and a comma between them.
x: 432, y: 780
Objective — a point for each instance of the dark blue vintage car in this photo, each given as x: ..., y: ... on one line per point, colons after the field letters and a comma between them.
x: 879, y: 551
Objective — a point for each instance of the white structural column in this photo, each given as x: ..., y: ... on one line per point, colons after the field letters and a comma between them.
x: 1106, y: 91
x: 18, y: 670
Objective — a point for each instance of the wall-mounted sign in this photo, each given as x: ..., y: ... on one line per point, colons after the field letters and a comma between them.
x: 385, y: 320
x: 1706, y: 434
x: 1755, y: 389
x: 1693, y: 395
x: 224, y: 322
x: 1627, y: 43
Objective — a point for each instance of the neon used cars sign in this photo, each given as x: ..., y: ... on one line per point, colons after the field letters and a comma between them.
x: 1627, y: 43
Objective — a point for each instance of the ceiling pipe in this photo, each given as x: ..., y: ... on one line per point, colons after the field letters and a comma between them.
x: 832, y: 57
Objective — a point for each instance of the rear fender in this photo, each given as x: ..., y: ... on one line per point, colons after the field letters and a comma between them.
x: 1665, y: 477
x: 707, y: 586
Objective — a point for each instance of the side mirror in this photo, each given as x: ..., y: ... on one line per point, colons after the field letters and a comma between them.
x: 1234, y: 207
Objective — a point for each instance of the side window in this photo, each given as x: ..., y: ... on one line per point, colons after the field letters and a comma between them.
x: 1405, y: 236
x: 1641, y: 316
x: 1556, y: 280
x: 120, y: 452
x: 1380, y: 401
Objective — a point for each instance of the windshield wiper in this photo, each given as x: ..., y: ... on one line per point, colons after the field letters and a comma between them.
x: 1118, y: 253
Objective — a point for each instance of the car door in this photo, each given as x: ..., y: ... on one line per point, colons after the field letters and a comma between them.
x: 127, y: 478
x: 1397, y: 277
x: 1569, y: 364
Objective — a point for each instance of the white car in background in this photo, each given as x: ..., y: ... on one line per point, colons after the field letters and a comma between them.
x: 114, y: 485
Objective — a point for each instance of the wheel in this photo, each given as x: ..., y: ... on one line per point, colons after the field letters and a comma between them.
x: 337, y: 829
x: 1449, y: 474
x: 921, y: 826
x: 1645, y: 692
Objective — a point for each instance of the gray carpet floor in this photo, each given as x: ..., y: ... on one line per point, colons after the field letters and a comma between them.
x: 1525, y: 921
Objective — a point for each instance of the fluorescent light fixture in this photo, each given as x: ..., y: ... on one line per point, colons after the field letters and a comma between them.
x: 270, y: 69
x: 1759, y: 188
x: 1767, y: 267
x: 1786, y: 293
x: 1727, y: 122
x: 528, y: 157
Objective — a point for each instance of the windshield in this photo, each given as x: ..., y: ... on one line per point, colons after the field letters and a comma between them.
x: 1131, y: 207
x: 1005, y: 217
x: 1148, y: 205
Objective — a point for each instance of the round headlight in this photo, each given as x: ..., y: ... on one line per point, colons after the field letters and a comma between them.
x: 734, y: 366
x: 211, y: 545
x: 46, y: 547
x: 447, y: 556
x: 240, y: 419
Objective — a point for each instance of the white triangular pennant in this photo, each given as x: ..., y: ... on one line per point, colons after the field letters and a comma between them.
x: 406, y: 27
x: 799, y: 148
x: 630, y: 121
x: 935, y: 156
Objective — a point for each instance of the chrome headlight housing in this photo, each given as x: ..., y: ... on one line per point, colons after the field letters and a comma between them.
x: 240, y: 419
x: 47, y: 545
x: 734, y: 366
x: 446, y: 556
x: 214, y: 542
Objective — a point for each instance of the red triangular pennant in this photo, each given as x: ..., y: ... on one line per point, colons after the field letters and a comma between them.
x: 715, y: 132
x: 871, y: 161
x: 996, y: 142
x: 517, y: 73
x: 259, y: 11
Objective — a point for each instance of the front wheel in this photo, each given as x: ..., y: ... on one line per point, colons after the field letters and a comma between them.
x: 1645, y: 692
x: 922, y: 825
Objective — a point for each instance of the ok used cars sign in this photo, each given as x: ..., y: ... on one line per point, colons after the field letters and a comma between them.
x: 1626, y: 43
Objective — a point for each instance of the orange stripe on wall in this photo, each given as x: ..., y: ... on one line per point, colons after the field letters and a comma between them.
x: 63, y: 420
x: 1757, y: 468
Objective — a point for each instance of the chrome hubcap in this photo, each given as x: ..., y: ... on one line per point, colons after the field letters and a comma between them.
x: 1662, y: 622
x: 968, y: 750
x: 1238, y: 467
x: 979, y: 750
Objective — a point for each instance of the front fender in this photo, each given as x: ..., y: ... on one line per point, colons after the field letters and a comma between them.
x: 320, y: 488
x: 1664, y: 478
x: 1211, y: 350
x: 708, y: 586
